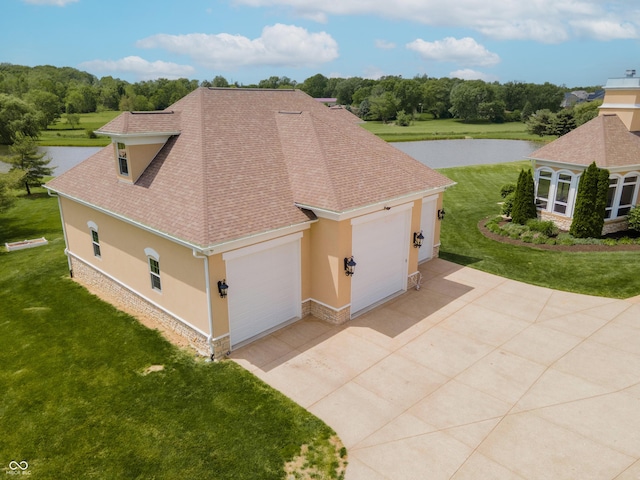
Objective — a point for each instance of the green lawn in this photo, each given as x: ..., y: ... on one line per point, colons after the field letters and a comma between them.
x: 451, y: 129
x: 74, y: 399
x: 61, y: 134
x: 611, y: 274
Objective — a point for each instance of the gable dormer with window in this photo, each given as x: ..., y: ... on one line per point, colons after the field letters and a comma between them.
x: 137, y: 137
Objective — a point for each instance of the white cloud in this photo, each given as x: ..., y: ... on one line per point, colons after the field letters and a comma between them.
x: 373, y: 73
x: 546, y: 21
x: 468, y: 74
x: 464, y: 51
x: 141, y: 68
x: 279, y: 45
x: 57, y: 3
x: 384, y: 45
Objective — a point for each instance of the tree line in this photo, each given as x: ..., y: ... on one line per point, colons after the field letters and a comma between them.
x: 31, y: 98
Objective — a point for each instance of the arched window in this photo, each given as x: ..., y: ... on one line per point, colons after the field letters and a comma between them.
x: 555, y: 191
x: 154, y: 268
x: 95, y: 239
x: 623, y: 192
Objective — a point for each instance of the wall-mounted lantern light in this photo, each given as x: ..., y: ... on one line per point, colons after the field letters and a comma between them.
x: 418, y: 237
x: 349, y: 266
x: 441, y: 214
x: 222, y: 288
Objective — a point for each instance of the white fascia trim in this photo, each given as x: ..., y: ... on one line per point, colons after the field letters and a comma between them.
x: 630, y: 106
x: 138, y: 138
x: 214, y: 249
x: 257, y: 238
x: 563, y: 165
x: 582, y: 168
x: 262, y: 246
x: 325, y: 305
x: 381, y: 213
x: 168, y: 312
x: 129, y: 221
x: 374, y: 207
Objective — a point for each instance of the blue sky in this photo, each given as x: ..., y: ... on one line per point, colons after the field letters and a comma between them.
x: 566, y: 42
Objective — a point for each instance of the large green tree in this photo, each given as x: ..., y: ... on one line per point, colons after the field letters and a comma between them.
x: 25, y: 158
x: 17, y: 118
x: 466, y: 98
x: 8, y: 182
x: 591, y: 202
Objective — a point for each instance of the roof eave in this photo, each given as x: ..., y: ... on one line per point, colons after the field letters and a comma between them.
x: 373, y: 207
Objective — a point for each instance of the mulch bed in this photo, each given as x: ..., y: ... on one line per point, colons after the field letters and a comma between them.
x: 560, y: 248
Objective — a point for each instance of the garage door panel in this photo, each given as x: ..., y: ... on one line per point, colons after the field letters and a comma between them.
x: 264, y: 290
x: 380, y: 251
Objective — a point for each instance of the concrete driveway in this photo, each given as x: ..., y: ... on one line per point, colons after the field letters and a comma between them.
x: 472, y: 377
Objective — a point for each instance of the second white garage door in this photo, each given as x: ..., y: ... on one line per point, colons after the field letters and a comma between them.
x: 380, y: 248
x: 264, y: 287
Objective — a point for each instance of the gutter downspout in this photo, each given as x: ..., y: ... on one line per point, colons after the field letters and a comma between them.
x: 208, y: 293
x: 64, y: 232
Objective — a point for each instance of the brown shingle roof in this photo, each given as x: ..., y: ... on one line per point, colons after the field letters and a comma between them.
x: 604, y: 140
x: 243, y: 160
x: 143, y: 122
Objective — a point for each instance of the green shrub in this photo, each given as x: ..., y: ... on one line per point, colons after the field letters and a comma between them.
x: 546, y: 227
x: 403, y: 119
x: 493, y: 227
x: 610, y: 242
x: 591, y: 201
x: 625, y: 241
x: 524, y: 207
x: 507, y: 189
x: 551, y: 241
x: 634, y: 219
x: 540, y: 239
x: 507, y: 205
x: 527, y: 237
x: 565, y: 239
x: 91, y: 134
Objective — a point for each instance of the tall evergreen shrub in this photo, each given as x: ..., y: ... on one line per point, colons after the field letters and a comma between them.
x: 524, y: 207
x: 591, y: 202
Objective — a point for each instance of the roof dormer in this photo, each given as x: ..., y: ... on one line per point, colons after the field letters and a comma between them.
x: 137, y: 137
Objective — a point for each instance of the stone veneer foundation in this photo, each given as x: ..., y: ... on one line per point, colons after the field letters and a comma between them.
x: 120, y: 296
x: 564, y: 223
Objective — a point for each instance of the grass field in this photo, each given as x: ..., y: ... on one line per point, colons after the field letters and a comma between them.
x: 76, y: 401
x: 447, y: 129
x: 61, y: 134
x: 476, y: 196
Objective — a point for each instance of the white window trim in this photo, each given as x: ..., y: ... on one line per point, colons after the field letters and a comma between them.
x: 553, y: 189
x: 153, y: 255
x: 93, y: 227
x: 119, y: 158
x: 615, y: 204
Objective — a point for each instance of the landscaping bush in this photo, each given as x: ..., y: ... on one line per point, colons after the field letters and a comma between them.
x: 634, y: 219
x: 507, y: 205
x: 547, y: 228
x: 403, y: 119
x: 591, y: 201
x: 524, y: 207
x: 507, y: 189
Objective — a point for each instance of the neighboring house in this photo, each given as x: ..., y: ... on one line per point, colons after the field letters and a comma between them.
x: 237, y: 211
x: 612, y: 141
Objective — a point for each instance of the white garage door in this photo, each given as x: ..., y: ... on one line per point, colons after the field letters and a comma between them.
x: 264, y: 287
x: 427, y: 224
x: 380, y: 244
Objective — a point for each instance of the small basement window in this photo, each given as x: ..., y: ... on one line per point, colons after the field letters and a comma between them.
x: 123, y: 165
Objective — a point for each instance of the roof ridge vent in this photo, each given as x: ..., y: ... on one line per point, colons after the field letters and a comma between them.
x: 290, y: 112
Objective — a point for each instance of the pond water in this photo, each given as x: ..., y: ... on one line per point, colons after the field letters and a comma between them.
x: 63, y: 158
x: 460, y: 153
x: 434, y: 153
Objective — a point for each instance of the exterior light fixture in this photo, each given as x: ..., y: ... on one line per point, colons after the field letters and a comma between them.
x: 222, y: 288
x: 418, y: 237
x: 349, y: 266
x: 441, y: 214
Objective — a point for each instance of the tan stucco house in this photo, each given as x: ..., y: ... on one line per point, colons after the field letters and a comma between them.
x: 237, y: 211
x: 612, y: 141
